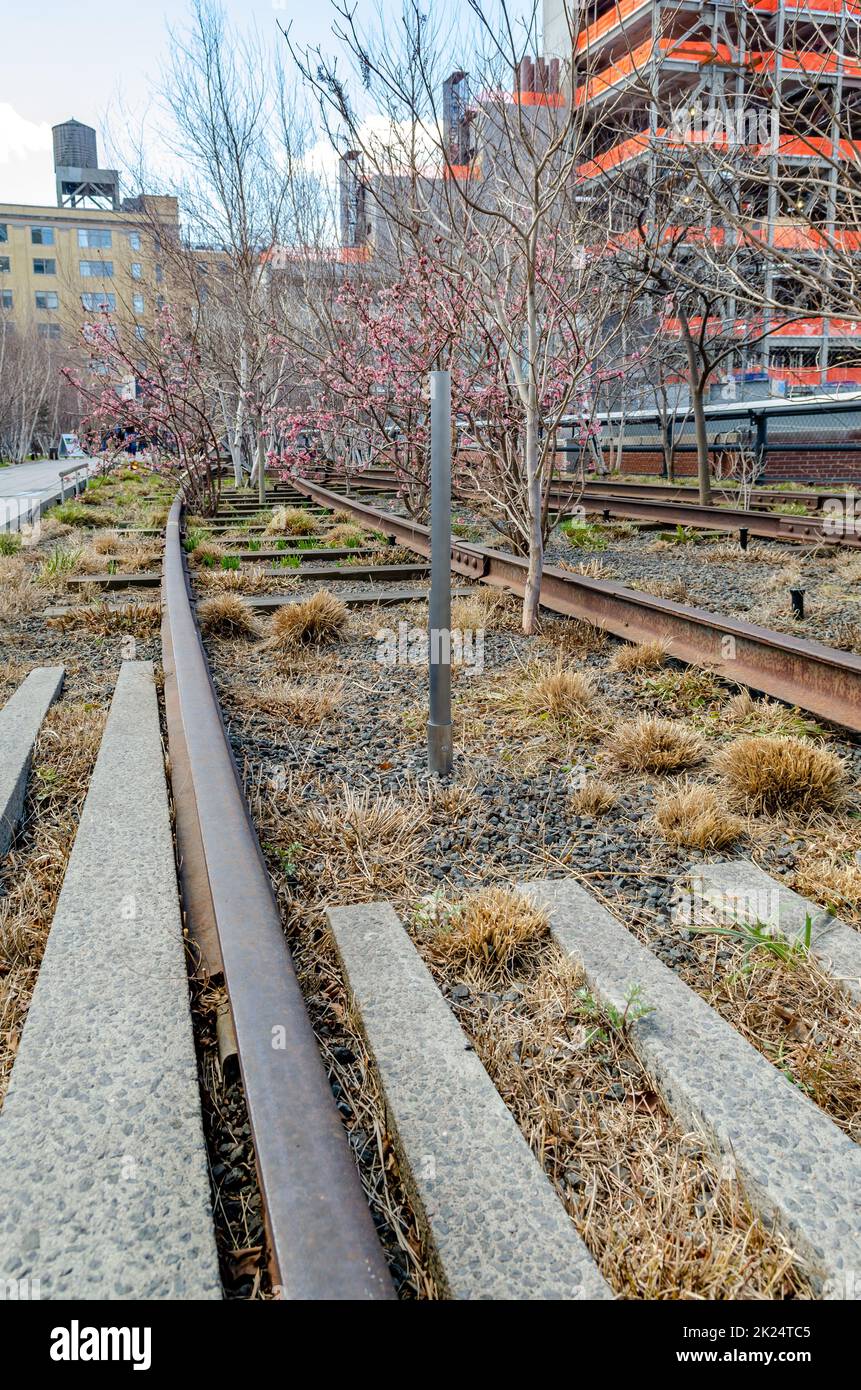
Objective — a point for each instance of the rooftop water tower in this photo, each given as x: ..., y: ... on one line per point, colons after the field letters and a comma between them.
x: 80, y: 182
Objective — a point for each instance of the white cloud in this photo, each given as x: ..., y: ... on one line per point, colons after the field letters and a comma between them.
x: 26, y: 159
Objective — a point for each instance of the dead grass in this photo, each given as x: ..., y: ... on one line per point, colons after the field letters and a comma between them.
x: 794, y: 1012
x: 485, y: 610
x: 772, y: 774
x: 590, y: 569
x: 63, y: 760
x: 294, y: 521
x: 317, y: 619
x: 594, y: 798
x: 206, y: 555
x: 493, y: 926
x: 694, y: 817
x: 569, y: 637
x: 763, y: 716
x: 141, y: 620
x: 649, y: 744
x: 249, y: 580
x: 346, y: 534
x: 308, y: 704
x: 18, y: 594
x: 832, y: 879
x: 643, y: 656
x: 658, y: 1217
x: 355, y: 847
x: 558, y: 693
x: 225, y: 615
x: 675, y: 589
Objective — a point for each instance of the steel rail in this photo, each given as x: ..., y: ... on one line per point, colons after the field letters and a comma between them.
x: 816, y: 678
x: 768, y: 525
x: 321, y: 1238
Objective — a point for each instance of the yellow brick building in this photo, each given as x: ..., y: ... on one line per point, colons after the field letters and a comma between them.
x: 61, y: 266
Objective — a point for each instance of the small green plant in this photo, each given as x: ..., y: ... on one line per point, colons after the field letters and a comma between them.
x: 112, y: 566
x: 792, y: 509
x: 58, y: 564
x: 194, y: 536
x: 584, y: 535
x: 619, y: 1020
x: 682, y: 535
x: 10, y: 543
x: 230, y: 562
x: 254, y: 545
x: 288, y: 562
x: 758, y: 936
x: 465, y: 531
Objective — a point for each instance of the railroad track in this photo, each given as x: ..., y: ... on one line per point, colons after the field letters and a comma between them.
x: 476, y: 1187
x: 809, y: 674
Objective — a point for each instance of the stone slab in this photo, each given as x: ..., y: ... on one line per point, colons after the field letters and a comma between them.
x: 796, y: 1166
x: 491, y: 1216
x: 144, y: 579
x: 742, y: 891
x: 104, y: 1190
x: 20, y: 720
x: 382, y: 573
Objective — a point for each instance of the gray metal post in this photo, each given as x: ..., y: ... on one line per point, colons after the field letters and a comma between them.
x: 439, y: 618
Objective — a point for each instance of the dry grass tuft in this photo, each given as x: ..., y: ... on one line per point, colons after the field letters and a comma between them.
x: 296, y: 702
x: 675, y: 589
x: 294, y: 521
x: 482, y: 610
x: 225, y: 615
x: 590, y: 569
x: 18, y: 595
x: 355, y: 847
x: 206, y: 555
x: 250, y: 579
x: 347, y: 533
x: 494, y: 926
x: 320, y: 618
x: 557, y: 693
x: 770, y: 774
x: 594, y: 798
x: 569, y: 637
x: 648, y: 744
x: 644, y: 656
x: 101, y: 619
x: 693, y: 816
x: 830, y: 879
x: 742, y: 711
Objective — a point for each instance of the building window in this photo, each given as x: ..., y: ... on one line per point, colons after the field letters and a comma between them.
x: 138, y: 303
x: 140, y: 332
x: 43, y: 265
x: 5, y: 265
x: 4, y: 232
x: 49, y: 330
x: 42, y: 236
x: 159, y: 274
x: 94, y: 237
x: 106, y: 302
x: 136, y: 270
x: 47, y: 299
x: 91, y: 269
x: 5, y: 299
x: 135, y: 241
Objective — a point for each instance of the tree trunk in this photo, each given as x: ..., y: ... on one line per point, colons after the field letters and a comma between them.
x: 697, y: 389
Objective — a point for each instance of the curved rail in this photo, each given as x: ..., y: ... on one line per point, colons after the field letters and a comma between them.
x: 821, y: 679
x: 321, y: 1238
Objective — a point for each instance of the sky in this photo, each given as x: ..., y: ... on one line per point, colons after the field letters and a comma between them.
x: 90, y: 62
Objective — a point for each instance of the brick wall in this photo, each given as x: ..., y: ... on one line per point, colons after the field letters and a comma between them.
x: 792, y: 465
